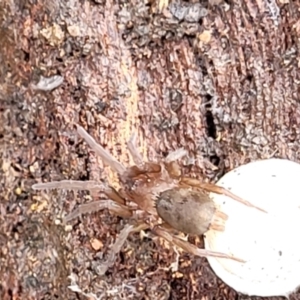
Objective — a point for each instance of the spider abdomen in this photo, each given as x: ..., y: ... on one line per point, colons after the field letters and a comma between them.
x: 187, y: 210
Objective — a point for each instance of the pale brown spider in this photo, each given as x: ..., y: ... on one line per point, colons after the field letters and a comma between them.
x: 155, y: 196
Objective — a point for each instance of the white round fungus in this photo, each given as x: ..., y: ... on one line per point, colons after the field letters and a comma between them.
x: 269, y: 243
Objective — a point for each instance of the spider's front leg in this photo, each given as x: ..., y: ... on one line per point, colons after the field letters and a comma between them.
x: 188, y: 247
x: 78, y: 185
x: 101, y: 152
x: 116, y: 206
x: 95, y: 206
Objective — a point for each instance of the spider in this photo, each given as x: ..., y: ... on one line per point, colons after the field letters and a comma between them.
x: 155, y: 196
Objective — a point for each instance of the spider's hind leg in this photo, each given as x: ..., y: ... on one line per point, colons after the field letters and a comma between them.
x: 188, y: 247
x: 209, y: 187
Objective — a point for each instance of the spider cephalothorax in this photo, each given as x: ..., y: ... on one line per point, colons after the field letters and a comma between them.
x: 155, y: 196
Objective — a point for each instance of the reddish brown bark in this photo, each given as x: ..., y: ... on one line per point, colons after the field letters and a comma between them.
x: 222, y: 83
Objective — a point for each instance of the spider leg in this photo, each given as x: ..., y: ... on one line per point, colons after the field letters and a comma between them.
x: 118, y: 244
x: 175, y: 155
x: 115, y: 249
x: 105, y: 155
x: 190, y: 248
x: 218, y: 190
x: 135, y: 154
x: 69, y: 185
x: 171, y: 164
x: 76, y: 185
x: 112, y: 194
x: 115, y: 205
x: 118, y: 209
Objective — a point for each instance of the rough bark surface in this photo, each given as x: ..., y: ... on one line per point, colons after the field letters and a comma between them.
x: 219, y: 78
